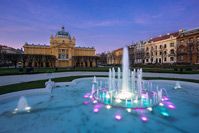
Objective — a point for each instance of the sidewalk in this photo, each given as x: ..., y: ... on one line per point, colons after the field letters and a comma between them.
x: 13, y: 79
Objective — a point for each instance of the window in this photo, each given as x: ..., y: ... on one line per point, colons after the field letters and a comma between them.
x: 152, y: 54
x: 181, y: 42
x: 159, y: 60
x: 181, y: 50
x: 66, y: 56
x: 63, y: 50
x: 63, y: 41
x: 156, y: 53
x: 160, y: 46
x: 147, y: 60
x: 165, y: 52
x: 191, y: 48
x: 152, y: 60
x: 172, y: 51
x: 197, y: 39
x: 67, y: 50
x: 171, y: 59
x: 151, y: 48
x: 59, y: 56
x: 147, y: 49
x: 165, y: 59
x: 191, y: 40
x: 165, y: 46
x: 181, y: 57
x: 155, y: 47
x: 160, y: 53
x: 171, y: 44
x: 59, y: 50
x: 63, y: 56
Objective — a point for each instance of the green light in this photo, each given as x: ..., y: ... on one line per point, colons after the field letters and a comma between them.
x: 165, y: 114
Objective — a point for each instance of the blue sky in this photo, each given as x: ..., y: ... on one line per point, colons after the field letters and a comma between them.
x: 104, y: 24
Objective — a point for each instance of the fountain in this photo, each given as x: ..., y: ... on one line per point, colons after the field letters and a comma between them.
x: 127, y: 91
x: 22, y: 105
x: 177, y: 85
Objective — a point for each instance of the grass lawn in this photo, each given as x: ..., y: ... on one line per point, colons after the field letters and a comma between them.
x: 15, y: 71
x: 41, y: 83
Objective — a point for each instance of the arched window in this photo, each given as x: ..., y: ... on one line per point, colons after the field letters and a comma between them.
x: 160, y: 46
x: 171, y: 51
x: 165, y: 45
x: 165, y: 52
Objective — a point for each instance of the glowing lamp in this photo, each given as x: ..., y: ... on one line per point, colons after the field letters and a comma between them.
x: 149, y: 108
x: 144, y: 118
x: 128, y: 110
x: 85, y: 96
x: 96, y: 110
x: 118, y: 117
x: 118, y: 100
x: 161, y: 104
x: 135, y: 101
x: 86, y: 102
x: 95, y: 101
x: 91, y: 97
x: 108, y: 106
x: 27, y: 108
x: 171, y: 106
x: 107, y: 96
x: 166, y: 99
x: 165, y: 114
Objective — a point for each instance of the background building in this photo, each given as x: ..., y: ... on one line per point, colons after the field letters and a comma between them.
x: 162, y: 49
x: 188, y: 46
x: 62, y: 46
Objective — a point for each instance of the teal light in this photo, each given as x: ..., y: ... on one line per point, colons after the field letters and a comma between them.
x: 165, y: 114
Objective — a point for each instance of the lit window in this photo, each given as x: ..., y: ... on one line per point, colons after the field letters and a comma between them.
x: 63, y: 56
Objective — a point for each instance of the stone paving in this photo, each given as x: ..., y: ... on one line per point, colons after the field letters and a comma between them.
x: 13, y: 79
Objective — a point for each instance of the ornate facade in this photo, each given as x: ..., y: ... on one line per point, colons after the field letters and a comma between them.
x: 188, y: 47
x: 162, y: 49
x: 62, y: 46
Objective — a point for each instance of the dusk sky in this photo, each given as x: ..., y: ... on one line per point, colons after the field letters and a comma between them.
x: 104, y: 24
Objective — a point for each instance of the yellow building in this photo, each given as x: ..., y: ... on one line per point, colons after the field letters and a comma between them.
x: 162, y: 49
x: 62, y: 46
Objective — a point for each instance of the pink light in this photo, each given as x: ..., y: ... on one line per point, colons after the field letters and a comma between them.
x: 86, y: 102
x: 144, y: 118
x: 85, y: 96
x: 96, y: 110
x: 118, y: 117
x: 171, y: 106
x: 166, y: 99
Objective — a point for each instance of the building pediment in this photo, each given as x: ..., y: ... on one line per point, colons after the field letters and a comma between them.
x: 63, y: 45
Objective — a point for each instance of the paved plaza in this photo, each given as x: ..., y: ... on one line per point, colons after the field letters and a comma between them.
x: 13, y: 79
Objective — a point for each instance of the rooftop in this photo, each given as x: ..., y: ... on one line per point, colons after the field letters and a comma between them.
x: 63, y: 33
x: 160, y: 38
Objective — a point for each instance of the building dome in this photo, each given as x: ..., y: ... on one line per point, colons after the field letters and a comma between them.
x: 63, y: 33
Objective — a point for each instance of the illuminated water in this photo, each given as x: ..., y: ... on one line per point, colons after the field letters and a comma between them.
x: 65, y: 111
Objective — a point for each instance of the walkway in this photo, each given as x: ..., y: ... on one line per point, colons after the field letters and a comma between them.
x: 13, y: 79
